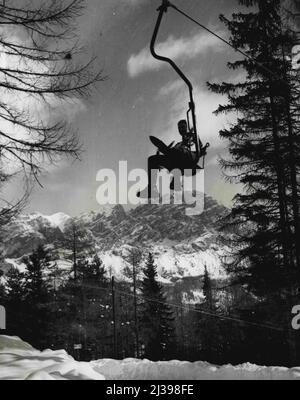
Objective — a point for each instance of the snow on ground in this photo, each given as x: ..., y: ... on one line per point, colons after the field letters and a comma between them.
x: 131, y: 369
x: 19, y: 361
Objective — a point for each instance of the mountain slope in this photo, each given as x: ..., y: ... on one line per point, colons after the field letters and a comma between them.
x: 182, y: 245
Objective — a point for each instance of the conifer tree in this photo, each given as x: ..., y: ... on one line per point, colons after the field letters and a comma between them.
x: 36, y: 266
x: 208, y: 326
x: 79, y: 242
x: 85, y: 308
x: 15, y: 285
x: 157, y: 317
x: 264, y: 149
x: 37, y: 296
x: 15, y: 304
x: 2, y: 293
x: 208, y: 291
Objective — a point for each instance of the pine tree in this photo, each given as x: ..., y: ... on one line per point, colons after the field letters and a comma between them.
x: 36, y: 267
x: 79, y: 241
x: 85, y: 309
x: 208, y: 291
x: 264, y: 157
x: 94, y: 271
x: 208, y: 326
x: 17, y: 317
x: 264, y: 148
x: 15, y: 285
x: 37, y: 296
x: 134, y: 258
x: 157, y: 317
x: 2, y: 293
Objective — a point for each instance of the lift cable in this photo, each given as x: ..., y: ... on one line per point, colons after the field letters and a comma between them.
x: 188, y: 308
x: 227, y: 42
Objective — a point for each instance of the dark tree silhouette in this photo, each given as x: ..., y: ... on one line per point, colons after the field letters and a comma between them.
x: 134, y: 258
x: 208, y: 325
x: 264, y: 156
x: 37, y: 295
x: 36, y: 266
x: 79, y: 241
x: 157, y: 317
x: 264, y: 148
x: 15, y: 304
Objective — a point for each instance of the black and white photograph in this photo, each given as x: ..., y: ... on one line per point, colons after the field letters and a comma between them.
x: 149, y: 193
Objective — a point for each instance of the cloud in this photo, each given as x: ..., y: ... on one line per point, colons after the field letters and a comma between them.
x: 177, y: 49
x: 135, y: 2
x: 170, y: 88
x: 207, y: 102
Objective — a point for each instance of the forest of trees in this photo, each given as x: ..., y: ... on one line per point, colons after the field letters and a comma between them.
x: 87, y: 308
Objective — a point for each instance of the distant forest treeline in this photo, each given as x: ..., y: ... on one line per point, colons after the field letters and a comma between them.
x: 93, y: 316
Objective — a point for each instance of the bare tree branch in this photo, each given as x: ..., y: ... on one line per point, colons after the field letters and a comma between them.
x: 42, y: 65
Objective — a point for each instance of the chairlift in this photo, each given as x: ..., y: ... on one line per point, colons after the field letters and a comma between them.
x: 201, y: 150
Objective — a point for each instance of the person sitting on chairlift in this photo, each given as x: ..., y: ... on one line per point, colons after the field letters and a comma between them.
x: 178, y: 157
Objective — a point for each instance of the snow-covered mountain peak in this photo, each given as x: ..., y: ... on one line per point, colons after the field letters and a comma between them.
x: 58, y: 220
x: 182, y: 246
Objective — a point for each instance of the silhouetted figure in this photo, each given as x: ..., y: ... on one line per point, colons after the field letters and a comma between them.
x: 179, y: 157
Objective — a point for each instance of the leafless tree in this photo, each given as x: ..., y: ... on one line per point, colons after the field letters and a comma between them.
x: 42, y: 69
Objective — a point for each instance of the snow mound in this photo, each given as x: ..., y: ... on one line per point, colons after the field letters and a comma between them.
x: 131, y: 369
x: 19, y: 361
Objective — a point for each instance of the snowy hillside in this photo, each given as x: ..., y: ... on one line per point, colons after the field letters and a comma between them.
x: 19, y: 361
x: 182, y: 245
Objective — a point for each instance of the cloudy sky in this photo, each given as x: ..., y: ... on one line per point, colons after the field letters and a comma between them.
x: 141, y: 97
